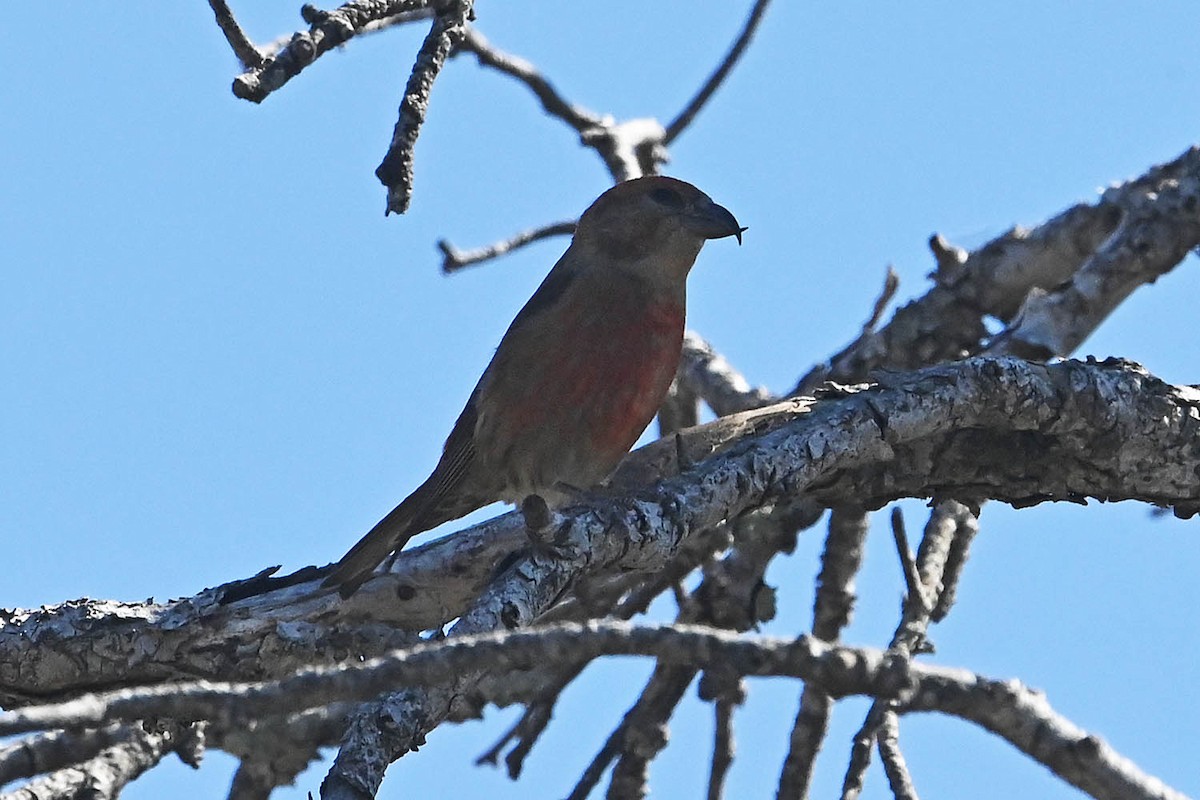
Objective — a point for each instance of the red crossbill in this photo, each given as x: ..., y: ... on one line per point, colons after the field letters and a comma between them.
x: 578, y: 375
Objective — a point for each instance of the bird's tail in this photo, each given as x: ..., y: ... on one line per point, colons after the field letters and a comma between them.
x: 389, y: 534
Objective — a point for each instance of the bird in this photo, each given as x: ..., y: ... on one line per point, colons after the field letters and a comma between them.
x: 578, y: 375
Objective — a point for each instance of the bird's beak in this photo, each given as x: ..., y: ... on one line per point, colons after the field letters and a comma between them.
x: 712, y: 221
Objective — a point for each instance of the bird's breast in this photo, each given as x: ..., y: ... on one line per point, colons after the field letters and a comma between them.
x: 621, y: 383
x: 570, y: 415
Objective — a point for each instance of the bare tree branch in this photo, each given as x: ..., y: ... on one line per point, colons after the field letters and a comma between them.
x: 899, y: 779
x: 454, y: 259
x: 715, y: 380
x: 327, y: 30
x: 48, y: 752
x: 1025, y: 719
x: 396, y: 170
x: 552, y: 101
x: 832, y: 609
x: 1007, y: 709
x: 924, y: 578
x: 1160, y: 226
x: 843, y: 670
x: 948, y: 321
x: 106, y: 774
x: 243, y: 48
x: 685, y: 117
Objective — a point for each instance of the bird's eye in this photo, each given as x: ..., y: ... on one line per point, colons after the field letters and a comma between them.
x: 667, y: 197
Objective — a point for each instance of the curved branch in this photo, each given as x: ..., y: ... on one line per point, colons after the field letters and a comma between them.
x: 1025, y: 719
x: 552, y: 101
x: 997, y: 278
x: 722, y: 71
x: 454, y: 259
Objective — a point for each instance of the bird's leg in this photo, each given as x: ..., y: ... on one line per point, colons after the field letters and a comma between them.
x: 544, y: 526
x: 683, y: 459
x: 541, y: 526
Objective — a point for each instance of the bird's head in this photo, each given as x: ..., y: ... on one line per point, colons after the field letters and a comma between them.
x: 654, y: 225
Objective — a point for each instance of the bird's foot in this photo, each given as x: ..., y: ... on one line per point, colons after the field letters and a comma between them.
x: 542, y: 526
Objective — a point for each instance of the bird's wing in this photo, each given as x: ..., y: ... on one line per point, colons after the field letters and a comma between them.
x: 550, y: 289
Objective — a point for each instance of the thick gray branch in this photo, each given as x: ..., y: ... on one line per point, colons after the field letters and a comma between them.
x: 983, y: 428
x: 1158, y: 229
x: 994, y: 281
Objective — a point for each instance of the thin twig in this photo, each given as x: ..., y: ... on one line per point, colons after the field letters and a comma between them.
x: 528, y: 730
x: 723, y: 747
x: 714, y: 81
x: 860, y: 753
x: 454, y: 259
x: 899, y: 779
x: 910, y: 636
x: 967, y: 526
x: 832, y: 607
x: 531, y: 725
x: 629, y: 149
x: 554, y: 103
x: 912, y: 579
x: 891, y: 283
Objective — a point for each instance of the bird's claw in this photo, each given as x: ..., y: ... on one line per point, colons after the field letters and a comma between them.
x: 542, y: 527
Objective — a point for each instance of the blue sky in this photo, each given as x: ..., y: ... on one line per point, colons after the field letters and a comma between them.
x: 219, y: 355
